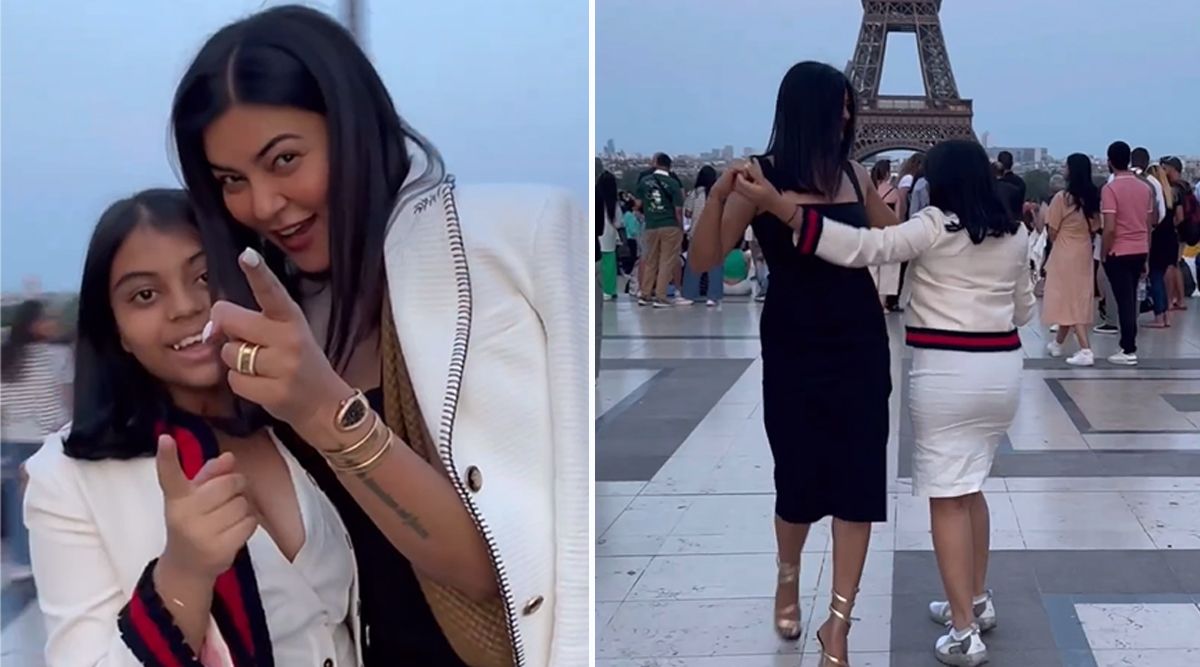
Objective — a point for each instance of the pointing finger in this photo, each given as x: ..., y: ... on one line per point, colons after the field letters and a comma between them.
x: 270, y: 294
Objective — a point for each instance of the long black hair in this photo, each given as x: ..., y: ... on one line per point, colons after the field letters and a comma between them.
x: 606, y: 200
x: 293, y: 56
x: 20, y: 336
x: 810, y: 141
x: 117, y: 402
x: 961, y: 182
x: 1080, y: 185
x: 706, y: 178
x: 881, y: 171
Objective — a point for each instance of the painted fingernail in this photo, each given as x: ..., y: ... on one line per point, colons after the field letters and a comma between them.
x: 251, y: 257
x: 207, y: 333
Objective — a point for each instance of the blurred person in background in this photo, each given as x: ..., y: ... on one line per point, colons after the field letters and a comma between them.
x: 607, y: 221
x: 693, y: 208
x: 32, y: 406
x: 1072, y: 218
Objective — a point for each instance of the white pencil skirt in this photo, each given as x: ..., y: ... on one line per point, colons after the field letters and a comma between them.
x: 961, y: 404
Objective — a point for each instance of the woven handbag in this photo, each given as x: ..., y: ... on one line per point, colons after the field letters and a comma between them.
x: 478, y: 632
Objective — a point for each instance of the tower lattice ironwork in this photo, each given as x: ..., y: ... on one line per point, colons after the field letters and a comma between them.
x: 916, y: 122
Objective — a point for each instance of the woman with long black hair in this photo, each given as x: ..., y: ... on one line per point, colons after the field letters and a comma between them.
x: 423, y: 344
x: 970, y: 292
x: 1072, y: 219
x: 607, y: 219
x: 826, y: 374
x: 693, y: 208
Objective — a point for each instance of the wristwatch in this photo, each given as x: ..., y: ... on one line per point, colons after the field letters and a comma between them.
x: 352, y: 412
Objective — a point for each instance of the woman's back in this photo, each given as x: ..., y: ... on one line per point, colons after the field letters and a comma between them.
x: 32, y: 404
x: 809, y: 296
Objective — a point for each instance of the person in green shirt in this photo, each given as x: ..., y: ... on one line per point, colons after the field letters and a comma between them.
x: 662, y: 232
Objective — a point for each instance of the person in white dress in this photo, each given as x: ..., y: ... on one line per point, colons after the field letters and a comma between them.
x: 970, y: 291
x: 167, y: 526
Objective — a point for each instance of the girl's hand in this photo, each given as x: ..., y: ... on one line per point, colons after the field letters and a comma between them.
x: 208, y: 517
x: 751, y: 184
x: 289, y: 374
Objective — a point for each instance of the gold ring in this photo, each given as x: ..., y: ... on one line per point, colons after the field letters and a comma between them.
x: 247, y: 355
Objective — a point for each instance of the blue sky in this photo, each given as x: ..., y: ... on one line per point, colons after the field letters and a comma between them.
x: 500, y: 87
x: 1070, y: 75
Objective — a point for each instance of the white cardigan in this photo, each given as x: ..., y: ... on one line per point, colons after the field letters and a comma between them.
x: 964, y: 296
x: 488, y: 288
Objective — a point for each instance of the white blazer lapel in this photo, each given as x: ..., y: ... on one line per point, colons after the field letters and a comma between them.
x: 429, y: 285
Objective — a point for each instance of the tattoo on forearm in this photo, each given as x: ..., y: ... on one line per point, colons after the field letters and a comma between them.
x: 407, y: 517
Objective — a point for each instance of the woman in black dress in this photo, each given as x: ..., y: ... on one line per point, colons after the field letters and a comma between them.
x: 826, y: 376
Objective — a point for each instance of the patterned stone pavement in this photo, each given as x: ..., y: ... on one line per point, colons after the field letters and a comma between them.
x: 1095, y: 501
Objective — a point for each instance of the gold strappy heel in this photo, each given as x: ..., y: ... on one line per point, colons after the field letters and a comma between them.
x: 839, y: 615
x: 787, y: 619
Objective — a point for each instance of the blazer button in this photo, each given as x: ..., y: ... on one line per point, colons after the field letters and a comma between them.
x: 533, y: 605
x: 474, y: 479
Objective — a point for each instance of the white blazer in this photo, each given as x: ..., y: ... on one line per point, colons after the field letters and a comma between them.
x: 94, y: 527
x: 965, y: 296
x: 488, y: 288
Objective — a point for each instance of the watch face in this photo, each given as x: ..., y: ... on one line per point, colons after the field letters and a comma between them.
x: 355, y: 412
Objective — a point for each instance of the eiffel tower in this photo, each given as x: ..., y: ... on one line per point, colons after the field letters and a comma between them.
x: 914, y: 122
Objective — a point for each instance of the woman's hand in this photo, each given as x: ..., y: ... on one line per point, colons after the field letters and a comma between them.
x: 724, y: 185
x: 289, y: 375
x: 751, y: 184
x: 208, y: 518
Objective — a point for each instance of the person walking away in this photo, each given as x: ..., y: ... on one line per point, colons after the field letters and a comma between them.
x: 912, y: 170
x: 662, y: 203
x: 1164, y: 247
x: 1128, y: 210
x: 606, y: 223
x: 32, y: 406
x: 1072, y: 218
x: 887, y: 277
x: 1187, y: 222
x: 970, y: 292
x: 693, y: 207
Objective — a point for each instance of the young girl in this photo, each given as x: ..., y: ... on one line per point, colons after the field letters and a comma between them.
x: 970, y: 291
x: 365, y: 293
x: 166, y: 527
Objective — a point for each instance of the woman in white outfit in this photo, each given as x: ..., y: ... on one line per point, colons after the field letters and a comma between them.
x: 970, y: 291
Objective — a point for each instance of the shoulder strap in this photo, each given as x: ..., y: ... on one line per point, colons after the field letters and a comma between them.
x: 665, y: 189
x: 858, y: 192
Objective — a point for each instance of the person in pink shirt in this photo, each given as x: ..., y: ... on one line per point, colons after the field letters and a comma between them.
x: 1127, y: 208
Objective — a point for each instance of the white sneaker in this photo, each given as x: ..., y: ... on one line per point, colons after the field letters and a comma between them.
x: 1054, y: 348
x: 985, y: 613
x: 663, y: 304
x: 712, y: 303
x: 1082, y: 358
x: 968, y: 651
x: 680, y: 301
x: 643, y: 301
x: 1122, y: 359
x: 1053, y: 328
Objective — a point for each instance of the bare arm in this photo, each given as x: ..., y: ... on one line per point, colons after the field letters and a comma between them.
x: 878, y: 213
x: 722, y: 224
x: 1109, y: 235
x: 1054, y: 217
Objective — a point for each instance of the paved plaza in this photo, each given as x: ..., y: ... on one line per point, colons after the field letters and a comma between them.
x: 1095, y: 500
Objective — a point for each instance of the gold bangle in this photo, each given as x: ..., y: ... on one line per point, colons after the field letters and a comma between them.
x: 371, y: 462
x: 351, y: 456
x: 342, y: 451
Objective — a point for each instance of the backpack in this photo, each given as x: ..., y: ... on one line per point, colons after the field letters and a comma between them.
x: 1189, y: 229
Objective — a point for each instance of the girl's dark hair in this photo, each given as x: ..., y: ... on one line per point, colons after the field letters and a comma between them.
x: 1081, y: 187
x: 706, y: 178
x: 117, y: 402
x: 881, y: 171
x: 810, y: 141
x: 20, y: 336
x: 961, y: 182
x: 297, y: 57
x: 606, y: 199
